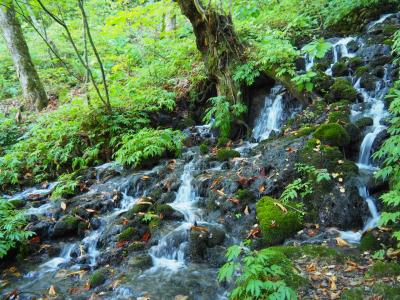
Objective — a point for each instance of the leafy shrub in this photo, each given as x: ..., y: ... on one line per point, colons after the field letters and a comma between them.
x: 259, y: 275
x: 148, y: 143
x: 12, y: 223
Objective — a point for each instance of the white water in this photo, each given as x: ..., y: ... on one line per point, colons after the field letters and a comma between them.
x: 381, y: 20
x: 271, y: 117
x: 169, y: 253
x: 376, y: 110
x: 340, y: 50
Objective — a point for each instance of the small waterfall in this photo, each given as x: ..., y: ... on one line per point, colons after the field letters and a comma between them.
x: 271, y: 116
x: 381, y: 20
x: 310, y: 60
x: 340, y: 50
x: 169, y: 253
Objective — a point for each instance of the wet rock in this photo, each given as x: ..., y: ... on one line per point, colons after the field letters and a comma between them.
x: 216, y: 236
x: 381, y: 60
x: 368, y: 82
x: 67, y: 226
x: 197, y: 248
x: 18, y: 203
x: 42, y: 229
x: 379, y: 72
x: 141, y: 261
x: 364, y: 122
x: 216, y: 256
x: 168, y: 213
x: 375, y: 239
x: 375, y: 53
x: 340, y: 69
x: 377, y: 186
x: 378, y: 142
x: 97, y: 278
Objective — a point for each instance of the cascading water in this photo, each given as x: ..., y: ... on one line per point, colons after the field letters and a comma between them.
x: 271, y: 117
x: 169, y: 253
x: 340, y: 50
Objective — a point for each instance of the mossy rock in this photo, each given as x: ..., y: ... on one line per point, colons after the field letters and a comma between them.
x: 304, y: 131
x: 369, y: 242
x: 340, y: 69
x: 67, y: 226
x: 353, y: 131
x: 154, y: 225
x: 97, y: 278
x: 276, y: 225
x: 136, y: 246
x: 245, y: 196
x: 204, y: 149
x: 222, y: 141
x: 343, y: 90
x: 142, y: 261
x: 127, y: 235
x: 382, y: 269
x: 360, y: 71
x: 227, y: 154
x: 368, y: 82
x: 323, y: 83
x: 355, y: 62
x: 18, y: 203
x: 332, y: 134
x: 364, y: 122
x: 341, y: 117
x: 139, y: 208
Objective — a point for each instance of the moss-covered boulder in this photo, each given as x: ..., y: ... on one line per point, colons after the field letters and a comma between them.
x: 127, y: 235
x: 276, y: 225
x: 323, y: 83
x: 368, y: 82
x: 332, y: 134
x: 369, y: 242
x: 342, y: 90
x: 142, y: 261
x: 341, y: 117
x: 136, y: 246
x: 66, y: 226
x: 97, y: 278
x: 245, y: 196
x: 18, y: 203
x: 227, y: 154
x: 364, y: 122
x: 355, y: 62
x: 167, y: 212
x: 360, y: 71
x: 354, y: 132
x: 340, y: 69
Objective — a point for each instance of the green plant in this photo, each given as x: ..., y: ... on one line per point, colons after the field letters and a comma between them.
x: 246, y: 73
x: 148, y: 143
x: 390, y: 152
x: 223, y: 113
x: 304, y: 81
x: 317, y: 48
x: 258, y: 276
x: 12, y: 223
x: 66, y: 186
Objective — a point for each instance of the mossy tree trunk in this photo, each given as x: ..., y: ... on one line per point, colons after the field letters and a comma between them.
x: 217, y: 41
x: 32, y: 88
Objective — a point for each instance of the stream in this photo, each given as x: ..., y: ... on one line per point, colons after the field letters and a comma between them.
x: 170, y: 268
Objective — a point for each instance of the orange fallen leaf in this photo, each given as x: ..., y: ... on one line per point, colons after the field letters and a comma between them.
x: 311, y: 268
x: 281, y: 207
x: 146, y: 237
x: 341, y: 242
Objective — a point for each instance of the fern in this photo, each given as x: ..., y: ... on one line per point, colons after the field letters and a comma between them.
x: 12, y: 223
x: 257, y: 276
x: 147, y: 143
x: 390, y: 153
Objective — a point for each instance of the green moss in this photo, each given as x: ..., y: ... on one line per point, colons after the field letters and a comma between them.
x: 333, y: 135
x: 387, y: 291
x: 222, y: 141
x: 309, y: 250
x: 226, y: 154
x: 71, y: 221
x: 245, y: 196
x: 353, y: 294
x: 360, y: 71
x: 154, y: 225
x: 382, y: 269
x: 341, y: 117
x: 339, y: 69
x: 136, y: 246
x: 355, y: 62
x: 165, y: 209
x: 204, y: 149
x: 97, y: 278
x: 364, y: 122
x: 343, y: 90
x: 276, y: 225
x: 353, y: 131
x: 306, y: 130
x: 17, y: 203
x: 369, y: 242
x: 127, y: 234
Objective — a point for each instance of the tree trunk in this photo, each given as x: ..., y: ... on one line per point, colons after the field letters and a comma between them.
x: 32, y: 88
x: 218, y: 44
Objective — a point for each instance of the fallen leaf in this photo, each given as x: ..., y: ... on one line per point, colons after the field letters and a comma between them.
x: 246, y: 210
x: 332, y: 283
x: 145, y: 177
x: 341, y: 242
x: 181, y: 297
x: 219, y: 192
x: 63, y: 205
x: 342, y: 189
x: 199, y: 228
x: 52, y: 291
x: 215, y: 182
x: 146, y: 237
x: 261, y: 188
x: 281, y: 207
x: 253, y: 233
x: 234, y: 200
x: 121, y: 244
x: 311, y: 268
